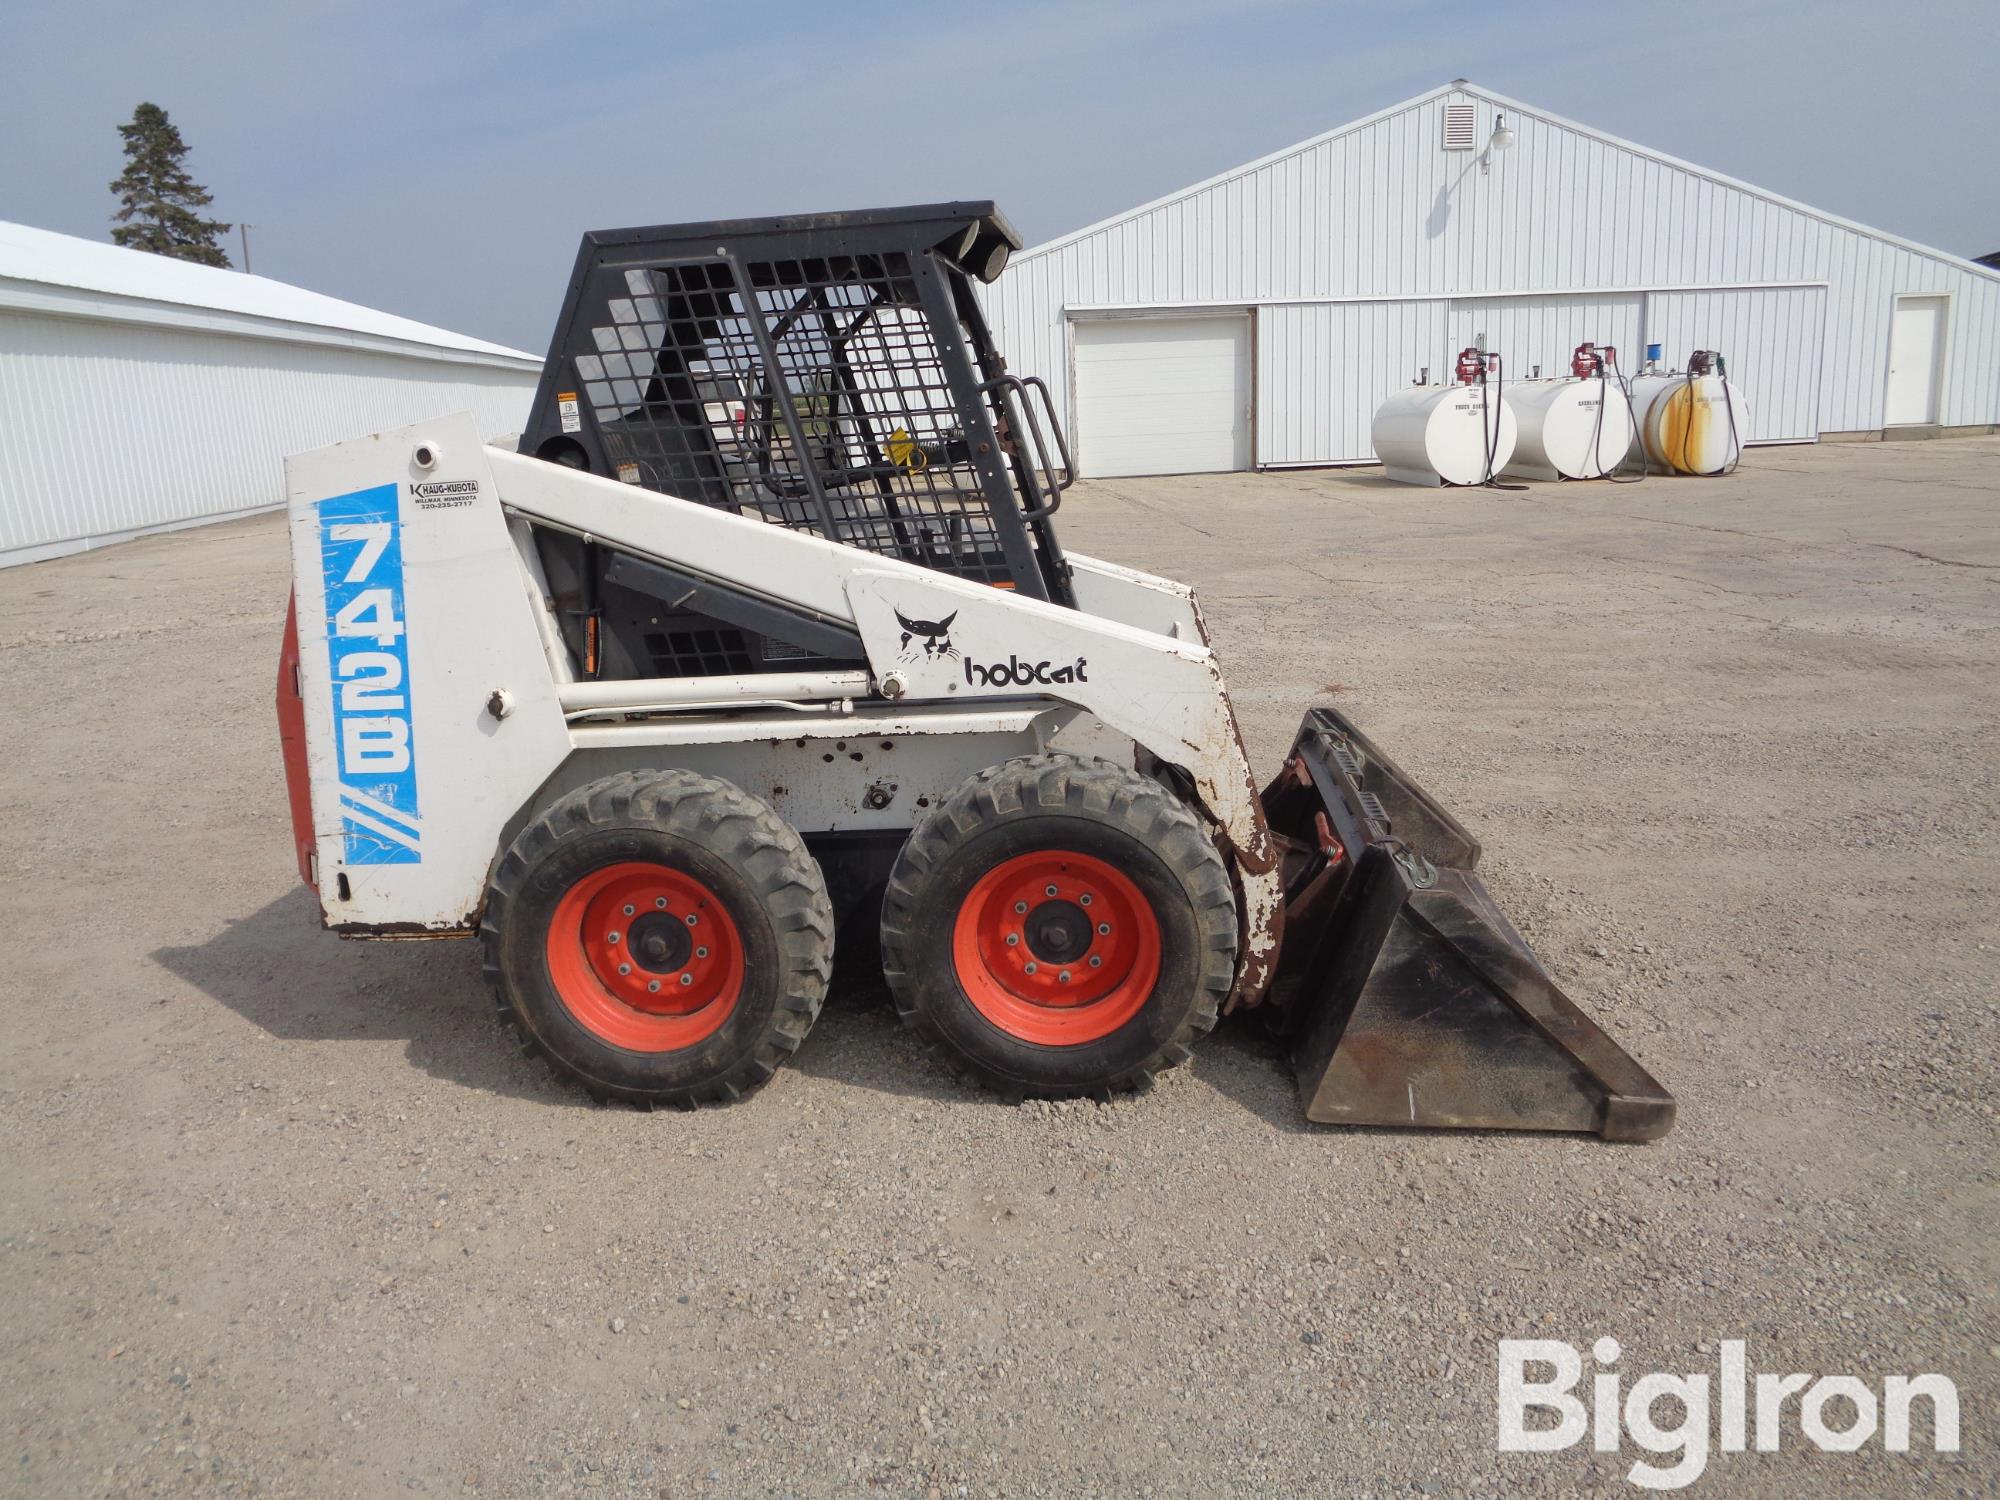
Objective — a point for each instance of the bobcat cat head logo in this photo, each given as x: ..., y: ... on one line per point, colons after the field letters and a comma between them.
x: 936, y: 634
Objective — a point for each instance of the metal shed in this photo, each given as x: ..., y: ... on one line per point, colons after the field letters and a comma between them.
x: 140, y: 394
x: 1257, y: 319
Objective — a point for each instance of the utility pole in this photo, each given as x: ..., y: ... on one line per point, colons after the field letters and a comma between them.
x: 244, y: 231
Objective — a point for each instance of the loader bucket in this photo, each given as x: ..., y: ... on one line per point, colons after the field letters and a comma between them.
x: 1411, y: 999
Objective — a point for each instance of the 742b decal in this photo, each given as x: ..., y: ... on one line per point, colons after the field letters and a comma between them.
x: 361, y: 556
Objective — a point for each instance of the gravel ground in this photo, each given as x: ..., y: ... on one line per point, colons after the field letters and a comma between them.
x: 282, y: 1215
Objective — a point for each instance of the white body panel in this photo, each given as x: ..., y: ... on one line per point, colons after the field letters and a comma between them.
x: 1163, y: 396
x: 412, y: 779
x: 412, y: 807
x: 1450, y: 434
x: 1569, y: 428
x: 1166, y: 695
x: 862, y: 774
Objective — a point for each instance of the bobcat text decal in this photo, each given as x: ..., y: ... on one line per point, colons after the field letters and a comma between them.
x: 1014, y: 672
x: 931, y: 639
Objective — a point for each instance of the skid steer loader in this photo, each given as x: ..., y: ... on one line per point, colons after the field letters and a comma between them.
x: 763, y: 623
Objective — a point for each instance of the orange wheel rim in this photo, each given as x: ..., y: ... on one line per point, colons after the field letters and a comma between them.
x: 645, y: 957
x: 1056, y: 948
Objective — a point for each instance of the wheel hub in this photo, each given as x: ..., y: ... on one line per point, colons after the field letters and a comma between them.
x: 1058, y: 931
x: 659, y: 943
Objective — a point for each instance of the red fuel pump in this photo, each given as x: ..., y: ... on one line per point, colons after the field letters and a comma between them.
x: 1475, y: 365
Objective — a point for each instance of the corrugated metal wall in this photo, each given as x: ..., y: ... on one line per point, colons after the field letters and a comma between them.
x: 108, y: 428
x: 1773, y: 340
x: 1354, y: 354
x: 1540, y: 332
x: 1381, y: 211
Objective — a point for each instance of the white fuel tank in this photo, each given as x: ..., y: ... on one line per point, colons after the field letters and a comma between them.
x: 1571, y: 428
x: 1432, y: 434
x: 1690, y: 424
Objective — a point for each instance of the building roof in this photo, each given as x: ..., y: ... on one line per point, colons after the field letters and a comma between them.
x: 1503, y: 102
x: 45, y: 271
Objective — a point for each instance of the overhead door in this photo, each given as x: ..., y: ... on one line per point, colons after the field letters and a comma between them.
x: 1162, y: 395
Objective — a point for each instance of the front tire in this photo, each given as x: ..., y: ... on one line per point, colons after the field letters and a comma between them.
x: 1059, y: 926
x: 660, y: 937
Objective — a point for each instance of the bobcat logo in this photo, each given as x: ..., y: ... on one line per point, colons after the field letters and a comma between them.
x: 936, y: 634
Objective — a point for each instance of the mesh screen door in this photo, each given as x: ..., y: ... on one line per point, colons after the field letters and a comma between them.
x: 848, y: 392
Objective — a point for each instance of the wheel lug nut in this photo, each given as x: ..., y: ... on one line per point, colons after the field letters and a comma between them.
x: 654, y: 987
x: 1031, y: 968
x: 1020, y: 906
x: 1104, y: 929
x: 1084, y: 899
x: 701, y: 953
x: 1064, y: 976
x: 691, y: 919
x: 1048, y: 890
x: 686, y: 979
x: 661, y: 903
x: 1097, y: 960
x: 624, y: 968
x: 1013, y: 939
x: 610, y: 937
x: 628, y: 910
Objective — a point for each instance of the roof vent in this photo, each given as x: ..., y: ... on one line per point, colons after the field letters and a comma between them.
x: 1461, y: 126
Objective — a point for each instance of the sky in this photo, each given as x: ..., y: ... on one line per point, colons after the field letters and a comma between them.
x: 440, y: 160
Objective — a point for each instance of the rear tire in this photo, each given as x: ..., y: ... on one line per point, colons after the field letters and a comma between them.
x: 660, y: 937
x: 1059, y: 926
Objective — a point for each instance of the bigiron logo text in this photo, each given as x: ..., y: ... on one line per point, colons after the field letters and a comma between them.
x: 1669, y: 1415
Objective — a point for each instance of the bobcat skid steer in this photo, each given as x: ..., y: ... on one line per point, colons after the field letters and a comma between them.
x: 763, y: 627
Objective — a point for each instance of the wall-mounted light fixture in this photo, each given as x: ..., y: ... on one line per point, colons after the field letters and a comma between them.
x: 1500, y: 140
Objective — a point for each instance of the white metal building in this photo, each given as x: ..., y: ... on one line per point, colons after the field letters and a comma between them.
x: 1257, y: 319
x: 139, y: 393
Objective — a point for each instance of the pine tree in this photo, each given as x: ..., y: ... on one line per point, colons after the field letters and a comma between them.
x: 158, y: 199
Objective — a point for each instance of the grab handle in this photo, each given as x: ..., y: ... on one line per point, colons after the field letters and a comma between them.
x: 1053, y: 485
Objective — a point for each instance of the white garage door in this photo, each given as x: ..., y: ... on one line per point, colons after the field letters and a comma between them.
x: 1162, y: 395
